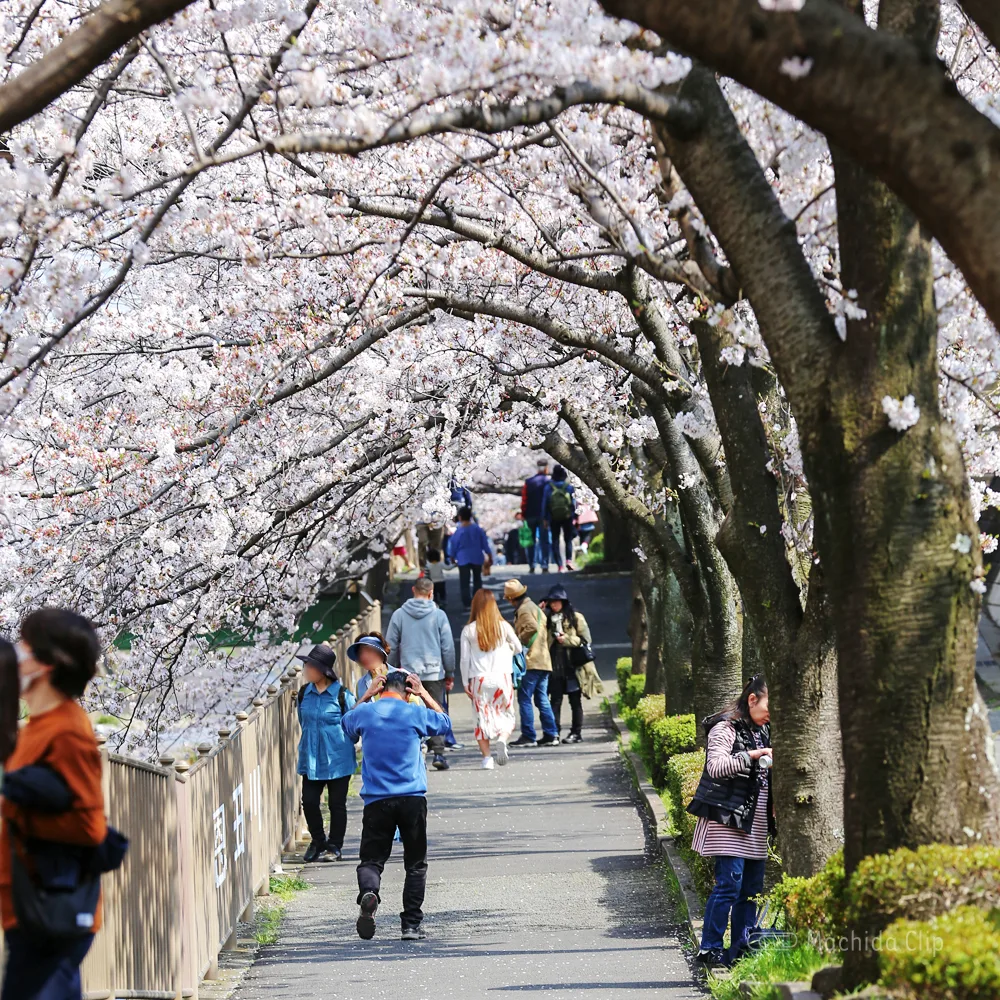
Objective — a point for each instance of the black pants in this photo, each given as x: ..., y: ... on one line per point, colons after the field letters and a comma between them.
x: 312, y: 795
x: 436, y: 690
x: 37, y: 969
x: 557, y: 688
x: 470, y: 573
x: 441, y: 593
x: 381, y: 818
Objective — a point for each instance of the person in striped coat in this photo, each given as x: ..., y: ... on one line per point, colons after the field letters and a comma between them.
x: 733, y: 804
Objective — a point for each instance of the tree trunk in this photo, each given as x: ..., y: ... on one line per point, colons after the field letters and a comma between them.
x: 617, y: 539
x: 637, y: 626
x: 805, y: 726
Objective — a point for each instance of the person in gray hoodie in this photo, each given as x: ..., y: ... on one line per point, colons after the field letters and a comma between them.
x: 420, y: 638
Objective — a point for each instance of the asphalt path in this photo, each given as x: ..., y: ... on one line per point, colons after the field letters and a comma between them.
x: 542, y: 880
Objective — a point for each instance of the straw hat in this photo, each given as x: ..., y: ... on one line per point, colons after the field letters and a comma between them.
x: 513, y: 589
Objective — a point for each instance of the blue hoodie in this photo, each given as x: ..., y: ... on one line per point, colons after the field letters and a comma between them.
x: 420, y: 638
x: 392, y: 729
x: 469, y: 546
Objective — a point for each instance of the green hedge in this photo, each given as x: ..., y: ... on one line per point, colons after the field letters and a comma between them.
x: 682, y: 774
x: 955, y: 956
x: 922, y: 883
x: 623, y: 671
x: 908, y: 884
x: 667, y: 737
x: 647, y: 712
x: 635, y: 688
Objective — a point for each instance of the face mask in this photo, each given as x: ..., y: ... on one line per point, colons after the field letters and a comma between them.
x: 27, y: 680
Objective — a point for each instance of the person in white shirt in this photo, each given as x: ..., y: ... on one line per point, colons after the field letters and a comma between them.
x: 487, y: 650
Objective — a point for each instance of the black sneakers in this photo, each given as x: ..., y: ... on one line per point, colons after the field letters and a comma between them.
x: 328, y: 854
x: 413, y: 934
x: 523, y: 741
x: 366, y: 921
x: 573, y: 738
x: 548, y: 741
x: 314, y: 850
x: 711, y: 959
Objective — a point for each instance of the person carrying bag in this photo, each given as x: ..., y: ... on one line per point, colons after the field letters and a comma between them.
x: 52, y: 852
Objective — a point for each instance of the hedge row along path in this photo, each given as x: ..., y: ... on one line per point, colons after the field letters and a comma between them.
x: 541, y: 881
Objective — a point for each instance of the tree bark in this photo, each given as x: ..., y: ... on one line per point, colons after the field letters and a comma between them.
x: 638, y: 629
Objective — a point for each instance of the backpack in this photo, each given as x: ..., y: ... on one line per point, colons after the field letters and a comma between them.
x: 341, y: 700
x: 519, y: 667
x: 560, y: 504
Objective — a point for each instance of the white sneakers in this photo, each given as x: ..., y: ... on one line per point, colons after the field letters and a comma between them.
x: 500, y: 752
x: 487, y: 764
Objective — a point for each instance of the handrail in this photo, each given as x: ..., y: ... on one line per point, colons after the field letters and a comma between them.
x: 205, y: 837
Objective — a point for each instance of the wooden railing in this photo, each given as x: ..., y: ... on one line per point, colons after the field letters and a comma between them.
x: 205, y: 836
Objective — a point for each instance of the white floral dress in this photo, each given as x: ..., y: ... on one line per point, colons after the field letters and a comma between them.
x: 487, y: 675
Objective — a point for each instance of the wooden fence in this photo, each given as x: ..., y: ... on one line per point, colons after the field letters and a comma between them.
x: 205, y: 836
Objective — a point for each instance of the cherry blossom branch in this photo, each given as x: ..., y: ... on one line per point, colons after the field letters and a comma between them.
x: 104, y: 31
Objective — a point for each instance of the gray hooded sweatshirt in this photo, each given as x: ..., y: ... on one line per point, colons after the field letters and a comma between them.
x: 420, y: 638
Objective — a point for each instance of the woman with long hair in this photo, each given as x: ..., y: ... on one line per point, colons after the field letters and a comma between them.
x: 733, y: 804
x: 488, y: 646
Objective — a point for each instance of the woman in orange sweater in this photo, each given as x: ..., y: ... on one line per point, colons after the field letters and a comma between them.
x: 57, y: 655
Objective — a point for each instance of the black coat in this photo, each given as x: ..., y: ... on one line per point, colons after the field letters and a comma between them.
x: 733, y: 801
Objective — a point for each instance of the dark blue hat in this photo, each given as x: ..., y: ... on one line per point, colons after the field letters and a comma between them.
x: 323, y: 658
x: 366, y: 640
x: 557, y: 593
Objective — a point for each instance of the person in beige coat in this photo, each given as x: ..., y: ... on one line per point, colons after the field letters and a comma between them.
x: 530, y: 626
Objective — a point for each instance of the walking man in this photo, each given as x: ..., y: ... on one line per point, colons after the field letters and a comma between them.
x: 532, y: 495
x: 421, y: 643
x: 395, y: 792
x: 469, y: 549
x: 531, y: 629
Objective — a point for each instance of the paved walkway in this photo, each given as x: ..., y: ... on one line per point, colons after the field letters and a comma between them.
x: 540, y: 883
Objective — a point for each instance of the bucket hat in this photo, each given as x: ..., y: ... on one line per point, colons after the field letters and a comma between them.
x: 323, y: 658
x: 557, y: 593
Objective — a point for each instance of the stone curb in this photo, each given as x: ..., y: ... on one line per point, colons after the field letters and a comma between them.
x: 693, y: 906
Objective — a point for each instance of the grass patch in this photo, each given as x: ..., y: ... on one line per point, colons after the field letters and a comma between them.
x: 270, y: 910
x: 775, y: 962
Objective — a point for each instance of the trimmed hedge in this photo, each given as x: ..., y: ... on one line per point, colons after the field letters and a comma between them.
x: 915, y: 885
x: 814, y: 905
x: 635, y: 688
x: 955, y: 956
x: 668, y: 737
x: 923, y: 883
x: 623, y: 671
x: 682, y: 774
x: 648, y: 711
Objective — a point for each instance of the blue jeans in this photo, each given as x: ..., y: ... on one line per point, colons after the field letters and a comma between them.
x: 535, y: 685
x: 540, y: 543
x: 736, y: 881
x: 38, y: 969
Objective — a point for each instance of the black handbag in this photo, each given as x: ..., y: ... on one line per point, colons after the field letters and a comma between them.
x: 57, y: 887
x: 581, y: 655
x: 54, y: 896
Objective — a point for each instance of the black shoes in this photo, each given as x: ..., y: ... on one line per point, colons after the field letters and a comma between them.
x: 573, y: 738
x: 440, y: 764
x: 366, y: 921
x: 328, y: 854
x: 548, y: 741
x: 523, y: 741
x: 413, y: 934
x: 712, y: 959
x: 314, y: 850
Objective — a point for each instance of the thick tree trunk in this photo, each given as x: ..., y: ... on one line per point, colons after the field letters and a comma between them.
x: 805, y: 726
x: 617, y: 539
x: 901, y: 548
